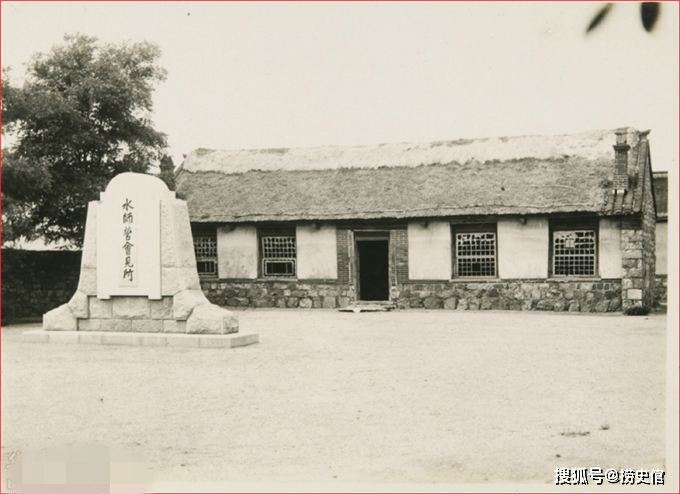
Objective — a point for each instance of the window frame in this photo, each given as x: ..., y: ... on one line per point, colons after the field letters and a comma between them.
x: 482, y: 228
x: 263, y: 233
x: 574, y: 225
x: 197, y: 236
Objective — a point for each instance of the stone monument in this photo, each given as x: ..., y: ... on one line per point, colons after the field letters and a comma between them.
x: 138, y: 272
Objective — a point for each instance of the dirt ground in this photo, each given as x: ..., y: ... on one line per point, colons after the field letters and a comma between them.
x: 417, y: 396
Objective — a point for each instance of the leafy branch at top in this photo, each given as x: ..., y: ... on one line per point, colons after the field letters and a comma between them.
x: 82, y: 116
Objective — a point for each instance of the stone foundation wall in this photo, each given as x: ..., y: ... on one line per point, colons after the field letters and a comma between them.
x: 600, y: 296
x: 34, y: 282
x: 318, y: 295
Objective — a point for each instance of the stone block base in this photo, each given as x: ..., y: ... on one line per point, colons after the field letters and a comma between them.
x: 232, y: 340
x: 187, y: 312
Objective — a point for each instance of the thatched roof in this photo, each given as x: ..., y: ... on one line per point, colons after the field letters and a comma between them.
x: 516, y: 175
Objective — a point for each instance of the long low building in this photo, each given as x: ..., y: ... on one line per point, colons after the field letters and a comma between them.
x: 522, y: 223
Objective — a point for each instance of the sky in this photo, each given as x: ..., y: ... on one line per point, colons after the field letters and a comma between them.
x: 272, y: 75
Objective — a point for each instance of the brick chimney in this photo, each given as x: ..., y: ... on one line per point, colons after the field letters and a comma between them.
x: 621, y: 161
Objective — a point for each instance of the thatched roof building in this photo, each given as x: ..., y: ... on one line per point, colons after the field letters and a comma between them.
x: 523, y: 223
x: 499, y: 176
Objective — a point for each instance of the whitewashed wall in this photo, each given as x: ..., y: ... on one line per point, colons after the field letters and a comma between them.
x: 523, y: 249
x: 429, y: 251
x: 609, y: 257
x: 662, y: 248
x: 237, y: 252
x: 316, y: 252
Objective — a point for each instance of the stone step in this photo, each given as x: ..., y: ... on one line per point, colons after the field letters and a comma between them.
x: 232, y: 340
x: 368, y: 307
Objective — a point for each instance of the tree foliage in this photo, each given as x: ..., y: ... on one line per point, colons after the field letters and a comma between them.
x: 167, y: 174
x: 81, y: 117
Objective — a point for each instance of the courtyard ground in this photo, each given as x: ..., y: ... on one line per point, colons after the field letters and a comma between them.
x: 397, y: 397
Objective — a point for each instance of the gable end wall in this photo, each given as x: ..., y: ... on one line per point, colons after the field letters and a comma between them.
x: 638, y: 239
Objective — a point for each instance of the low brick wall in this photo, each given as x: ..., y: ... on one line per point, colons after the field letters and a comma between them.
x: 601, y: 296
x: 34, y: 282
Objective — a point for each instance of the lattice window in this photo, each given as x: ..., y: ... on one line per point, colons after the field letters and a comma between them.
x: 574, y: 253
x: 278, y: 256
x: 476, y: 254
x: 205, y: 249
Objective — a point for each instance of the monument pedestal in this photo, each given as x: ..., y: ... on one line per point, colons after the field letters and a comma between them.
x: 140, y: 339
x: 138, y: 275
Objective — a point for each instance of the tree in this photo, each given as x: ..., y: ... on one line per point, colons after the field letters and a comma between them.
x: 81, y: 117
x: 167, y: 174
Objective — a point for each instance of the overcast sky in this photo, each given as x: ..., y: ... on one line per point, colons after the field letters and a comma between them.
x: 248, y: 75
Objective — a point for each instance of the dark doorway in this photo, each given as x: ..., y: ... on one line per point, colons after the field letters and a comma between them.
x: 373, y: 269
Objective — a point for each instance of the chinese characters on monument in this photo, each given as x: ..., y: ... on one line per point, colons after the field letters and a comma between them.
x: 128, y: 237
x: 129, y: 249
